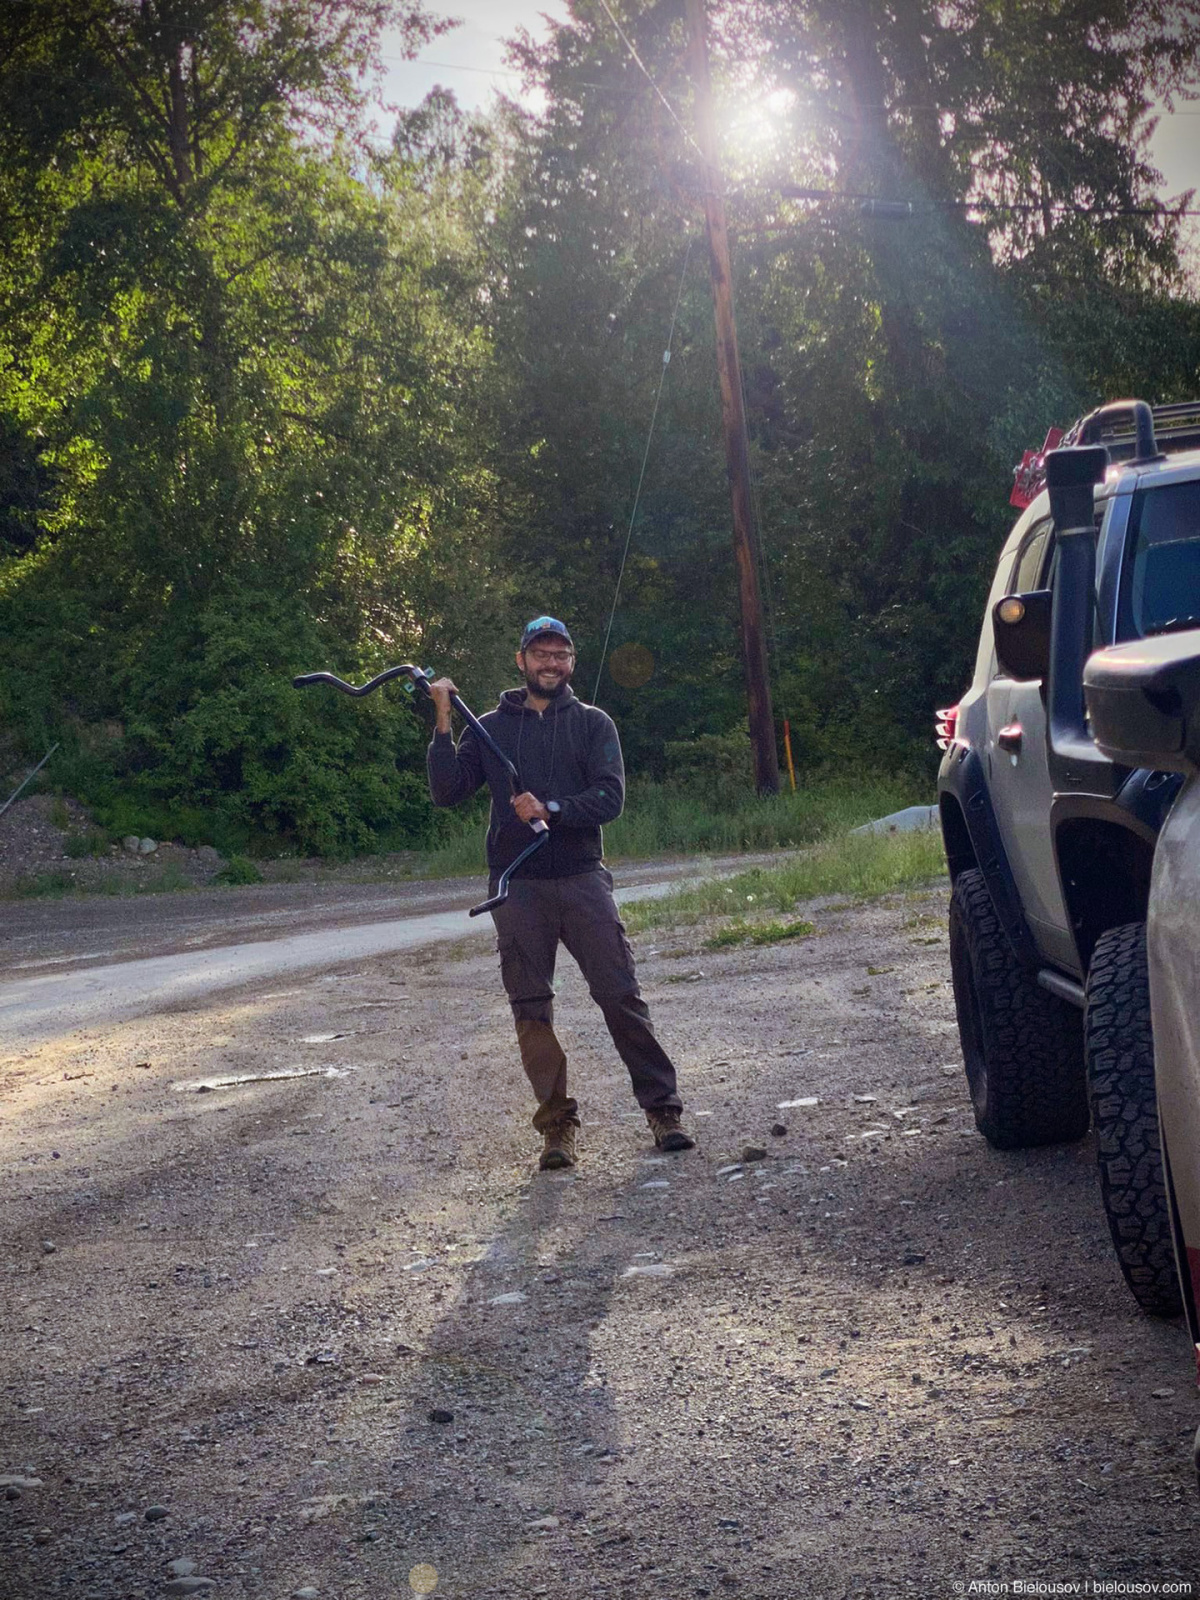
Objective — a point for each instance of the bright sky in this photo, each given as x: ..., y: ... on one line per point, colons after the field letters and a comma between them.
x: 471, y: 62
x: 471, y: 59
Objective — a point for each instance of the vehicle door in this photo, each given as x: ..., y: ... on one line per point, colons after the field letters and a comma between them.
x: 1019, y: 774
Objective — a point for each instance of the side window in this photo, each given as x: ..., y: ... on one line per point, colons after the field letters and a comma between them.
x: 1032, y: 558
x: 1161, y: 580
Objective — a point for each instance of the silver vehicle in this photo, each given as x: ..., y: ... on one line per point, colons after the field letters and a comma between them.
x: 1144, y: 702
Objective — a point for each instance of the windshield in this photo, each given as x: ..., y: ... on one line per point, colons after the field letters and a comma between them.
x: 1162, y: 572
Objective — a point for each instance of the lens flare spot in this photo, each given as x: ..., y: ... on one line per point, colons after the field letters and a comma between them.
x: 631, y: 665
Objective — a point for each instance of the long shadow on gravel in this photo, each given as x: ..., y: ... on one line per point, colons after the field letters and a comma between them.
x: 508, y: 1429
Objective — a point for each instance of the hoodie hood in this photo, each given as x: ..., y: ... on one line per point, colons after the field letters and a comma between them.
x: 514, y: 702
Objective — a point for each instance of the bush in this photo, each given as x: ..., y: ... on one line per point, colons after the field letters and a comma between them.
x: 716, y: 767
x: 44, y: 886
x: 198, y: 734
x: 79, y: 845
x: 238, y: 870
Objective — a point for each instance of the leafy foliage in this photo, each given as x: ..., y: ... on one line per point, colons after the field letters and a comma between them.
x: 239, y: 870
x: 249, y: 404
x: 274, y: 398
x: 893, y: 371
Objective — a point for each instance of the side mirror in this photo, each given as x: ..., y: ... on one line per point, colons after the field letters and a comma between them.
x: 1144, y: 702
x: 1021, y: 629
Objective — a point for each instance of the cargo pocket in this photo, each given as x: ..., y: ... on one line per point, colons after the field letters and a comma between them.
x: 528, y: 990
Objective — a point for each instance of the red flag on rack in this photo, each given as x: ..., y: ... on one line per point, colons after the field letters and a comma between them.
x: 1030, y: 477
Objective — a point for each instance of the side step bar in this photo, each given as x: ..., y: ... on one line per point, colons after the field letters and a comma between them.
x: 1064, y: 988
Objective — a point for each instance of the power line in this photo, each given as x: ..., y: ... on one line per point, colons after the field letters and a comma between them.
x: 503, y: 72
x: 813, y: 105
x: 498, y: 72
x: 453, y: 66
x: 612, y: 88
x: 671, y: 112
x: 899, y: 209
x: 973, y: 114
x: 662, y: 378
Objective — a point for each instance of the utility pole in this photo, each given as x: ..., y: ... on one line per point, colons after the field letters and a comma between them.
x: 733, y: 416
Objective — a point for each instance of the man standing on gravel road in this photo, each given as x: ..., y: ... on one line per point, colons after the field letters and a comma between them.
x: 569, y: 758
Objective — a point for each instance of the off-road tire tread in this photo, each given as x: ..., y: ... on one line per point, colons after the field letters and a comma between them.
x: 1032, y: 1089
x: 1119, y: 1050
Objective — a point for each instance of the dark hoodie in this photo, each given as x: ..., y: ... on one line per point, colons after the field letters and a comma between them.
x: 570, y: 753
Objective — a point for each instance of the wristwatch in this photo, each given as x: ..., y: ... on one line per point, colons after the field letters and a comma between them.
x: 553, y: 807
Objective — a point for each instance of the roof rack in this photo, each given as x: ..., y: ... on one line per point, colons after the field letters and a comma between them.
x: 1130, y: 430
x: 1133, y: 431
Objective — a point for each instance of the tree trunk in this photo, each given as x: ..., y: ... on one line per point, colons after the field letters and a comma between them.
x: 178, y: 121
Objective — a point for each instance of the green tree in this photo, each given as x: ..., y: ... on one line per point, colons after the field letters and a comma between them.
x: 253, y: 396
x: 272, y: 397
x: 894, y: 371
x: 984, y: 325
x: 595, y: 229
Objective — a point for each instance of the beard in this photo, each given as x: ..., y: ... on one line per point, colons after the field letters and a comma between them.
x: 534, y: 687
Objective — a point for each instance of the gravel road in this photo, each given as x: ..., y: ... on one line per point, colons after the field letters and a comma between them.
x: 178, y: 951
x: 78, y: 931
x: 326, y: 1330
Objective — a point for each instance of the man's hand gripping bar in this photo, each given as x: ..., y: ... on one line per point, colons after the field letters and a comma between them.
x: 419, y: 679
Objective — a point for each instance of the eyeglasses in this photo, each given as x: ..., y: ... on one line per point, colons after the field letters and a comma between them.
x: 555, y: 656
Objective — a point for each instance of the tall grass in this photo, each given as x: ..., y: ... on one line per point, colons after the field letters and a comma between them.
x: 460, y: 853
x: 666, y: 819
x: 860, y: 865
x: 64, y: 885
x: 662, y: 819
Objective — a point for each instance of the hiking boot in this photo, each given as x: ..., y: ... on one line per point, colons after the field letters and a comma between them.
x: 558, y: 1146
x: 668, y: 1131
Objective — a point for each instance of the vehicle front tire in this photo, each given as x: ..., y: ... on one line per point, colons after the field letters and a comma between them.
x: 1022, y: 1046
x: 1119, y: 1048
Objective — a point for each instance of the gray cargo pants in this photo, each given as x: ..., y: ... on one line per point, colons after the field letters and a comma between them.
x: 579, y: 911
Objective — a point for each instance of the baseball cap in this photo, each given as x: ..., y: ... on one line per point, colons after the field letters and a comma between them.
x: 544, y: 625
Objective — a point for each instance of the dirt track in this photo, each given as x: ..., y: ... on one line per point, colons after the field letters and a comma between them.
x: 80, y: 930
x: 872, y: 1364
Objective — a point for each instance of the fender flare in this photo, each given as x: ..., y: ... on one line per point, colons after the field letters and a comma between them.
x: 969, y: 789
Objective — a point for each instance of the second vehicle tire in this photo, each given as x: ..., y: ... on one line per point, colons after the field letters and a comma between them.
x: 1119, y: 1048
x: 1023, y: 1047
